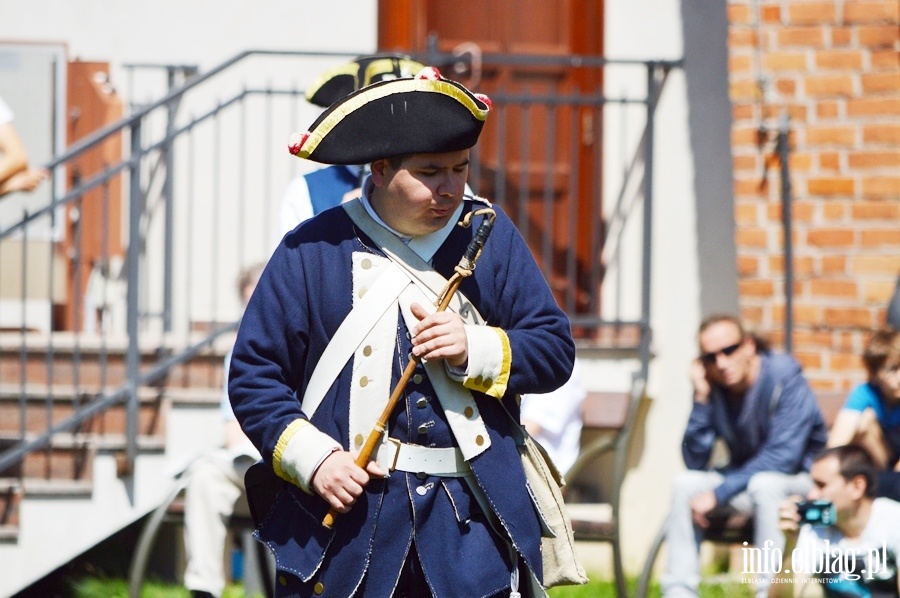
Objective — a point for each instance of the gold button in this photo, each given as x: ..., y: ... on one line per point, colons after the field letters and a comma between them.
x: 319, y: 587
x: 469, y: 412
x: 364, y: 381
x: 417, y: 378
x: 361, y: 293
x: 488, y: 382
x: 366, y: 264
x: 479, y: 440
x: 282, y: 580
x: 358, y: 440
x: 367, y: 350
x: 422, y: 402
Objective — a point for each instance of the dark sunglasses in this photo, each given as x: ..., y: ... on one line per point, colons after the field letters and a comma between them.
x: 710, y: 358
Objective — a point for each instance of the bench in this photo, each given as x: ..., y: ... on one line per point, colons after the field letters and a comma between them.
x: 736, y: 528
x: 608, y: 419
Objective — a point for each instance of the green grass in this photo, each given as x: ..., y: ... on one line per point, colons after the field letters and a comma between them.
x: 97, y: 587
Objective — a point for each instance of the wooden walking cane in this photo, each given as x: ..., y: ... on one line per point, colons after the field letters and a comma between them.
x: 463, y: 269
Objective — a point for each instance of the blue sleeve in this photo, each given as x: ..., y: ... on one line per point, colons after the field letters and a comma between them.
x: 785, y: 445
x: 699, y: 437
x: 861, y: 398
x: 540, y: 338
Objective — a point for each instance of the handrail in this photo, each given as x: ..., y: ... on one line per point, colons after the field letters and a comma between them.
x: 158, y: 371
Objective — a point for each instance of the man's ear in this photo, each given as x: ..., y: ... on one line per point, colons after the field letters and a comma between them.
x: 858, y: 484
x: 378, y: 168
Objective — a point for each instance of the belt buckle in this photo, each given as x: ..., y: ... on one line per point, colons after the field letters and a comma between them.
x: 396, y: 443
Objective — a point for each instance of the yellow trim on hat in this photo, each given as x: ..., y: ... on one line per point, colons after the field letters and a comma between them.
x: 396, y: 86
x: 408, y: 68
x: 351, y: 68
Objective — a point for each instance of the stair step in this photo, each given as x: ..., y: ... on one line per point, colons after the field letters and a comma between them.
x: 66, y: 357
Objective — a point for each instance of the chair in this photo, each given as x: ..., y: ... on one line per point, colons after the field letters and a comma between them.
x: 615, y: 414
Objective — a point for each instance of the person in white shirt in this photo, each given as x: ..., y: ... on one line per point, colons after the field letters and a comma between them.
x: 852, y: 547
x: 554, y: 419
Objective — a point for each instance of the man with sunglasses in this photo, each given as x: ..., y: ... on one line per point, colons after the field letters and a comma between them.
x: 760, y: 405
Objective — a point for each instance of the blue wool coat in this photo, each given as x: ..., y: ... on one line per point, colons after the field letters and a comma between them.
x: 302, y: 297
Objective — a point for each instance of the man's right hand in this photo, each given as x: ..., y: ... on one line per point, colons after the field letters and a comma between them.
x: 788, y: 516
x: 340, y: 481
x: 701, y: 384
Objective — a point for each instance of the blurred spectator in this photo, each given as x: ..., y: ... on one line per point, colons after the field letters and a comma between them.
x: 15, y: 174
x: 871, y: 416
x: 554, y: 419
x: 853, y: 551
x: 761, y: 406
x: 215, y: 487
x: 310, y: 194
x: 893, y: 310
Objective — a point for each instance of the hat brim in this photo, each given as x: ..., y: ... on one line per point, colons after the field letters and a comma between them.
x: 395, y: 118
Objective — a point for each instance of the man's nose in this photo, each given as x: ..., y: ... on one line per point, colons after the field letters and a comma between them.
x: 449, y: 186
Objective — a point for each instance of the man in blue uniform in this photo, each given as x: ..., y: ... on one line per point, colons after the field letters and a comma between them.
x: 345, y: 302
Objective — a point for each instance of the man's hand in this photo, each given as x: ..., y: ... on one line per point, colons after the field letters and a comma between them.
x: 701, y: 505
x: 441, y: 335
x: 701, y: 383
x: 340, y: 481
x: 788, y: 516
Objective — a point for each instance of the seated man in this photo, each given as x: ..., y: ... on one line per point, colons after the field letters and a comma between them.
x: 215, y: 487
x: 871, y: 416
x: 854, y: 550
x: 761, y: 406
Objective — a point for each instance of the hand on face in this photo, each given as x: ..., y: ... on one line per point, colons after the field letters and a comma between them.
x: 441, y: 335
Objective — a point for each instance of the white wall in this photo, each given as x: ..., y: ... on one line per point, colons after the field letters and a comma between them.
x: 651, y: 30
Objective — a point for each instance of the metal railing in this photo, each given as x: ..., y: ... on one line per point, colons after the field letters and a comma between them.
x: 201, y: 192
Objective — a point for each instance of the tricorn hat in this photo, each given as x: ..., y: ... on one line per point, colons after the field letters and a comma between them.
x: 343, y: 80
x: 423, y: 114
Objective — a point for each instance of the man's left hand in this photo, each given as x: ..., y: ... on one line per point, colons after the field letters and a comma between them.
x: 441, y: 335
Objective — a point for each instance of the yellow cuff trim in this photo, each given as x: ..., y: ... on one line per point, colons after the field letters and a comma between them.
x: 495, y: 387
x: 282, y: 443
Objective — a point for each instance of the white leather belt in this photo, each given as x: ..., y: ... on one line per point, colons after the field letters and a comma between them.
x: 443, y: 462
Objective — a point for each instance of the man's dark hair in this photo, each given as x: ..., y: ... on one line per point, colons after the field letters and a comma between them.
x: 853, y: 460
x: 762, y: 345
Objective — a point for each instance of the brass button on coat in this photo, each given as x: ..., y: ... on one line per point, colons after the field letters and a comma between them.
x: 319, y: 587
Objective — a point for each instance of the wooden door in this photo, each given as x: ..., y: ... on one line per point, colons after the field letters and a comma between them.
x: 538, y: 158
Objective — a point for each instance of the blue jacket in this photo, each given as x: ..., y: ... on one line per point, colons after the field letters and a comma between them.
x: 301, y: 299
x: 778, y: 427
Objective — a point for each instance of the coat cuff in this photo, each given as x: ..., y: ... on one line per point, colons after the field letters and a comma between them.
x: 490, y: 358
x: 299, y: 452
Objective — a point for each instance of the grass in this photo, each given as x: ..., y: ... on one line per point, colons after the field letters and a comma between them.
x: 97, y: 587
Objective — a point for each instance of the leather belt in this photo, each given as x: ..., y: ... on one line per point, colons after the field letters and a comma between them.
x: 444, y: 462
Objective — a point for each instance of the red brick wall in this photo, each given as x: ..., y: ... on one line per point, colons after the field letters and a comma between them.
x: 834, y: 67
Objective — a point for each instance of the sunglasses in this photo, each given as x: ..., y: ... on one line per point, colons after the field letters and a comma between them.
x: 710, y: 358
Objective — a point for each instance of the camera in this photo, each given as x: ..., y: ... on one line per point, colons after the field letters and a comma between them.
x: 817, y: 512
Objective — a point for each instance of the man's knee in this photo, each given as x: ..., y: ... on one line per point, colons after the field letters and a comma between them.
x: 689, y: 483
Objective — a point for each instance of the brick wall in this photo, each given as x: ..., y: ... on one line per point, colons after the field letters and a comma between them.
x: 834, y: 68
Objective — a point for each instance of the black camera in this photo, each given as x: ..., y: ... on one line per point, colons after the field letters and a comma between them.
x: 817, y: 512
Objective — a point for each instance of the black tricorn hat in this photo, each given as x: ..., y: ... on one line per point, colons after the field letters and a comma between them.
x: 424, y: 114
x: 343, y: 80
